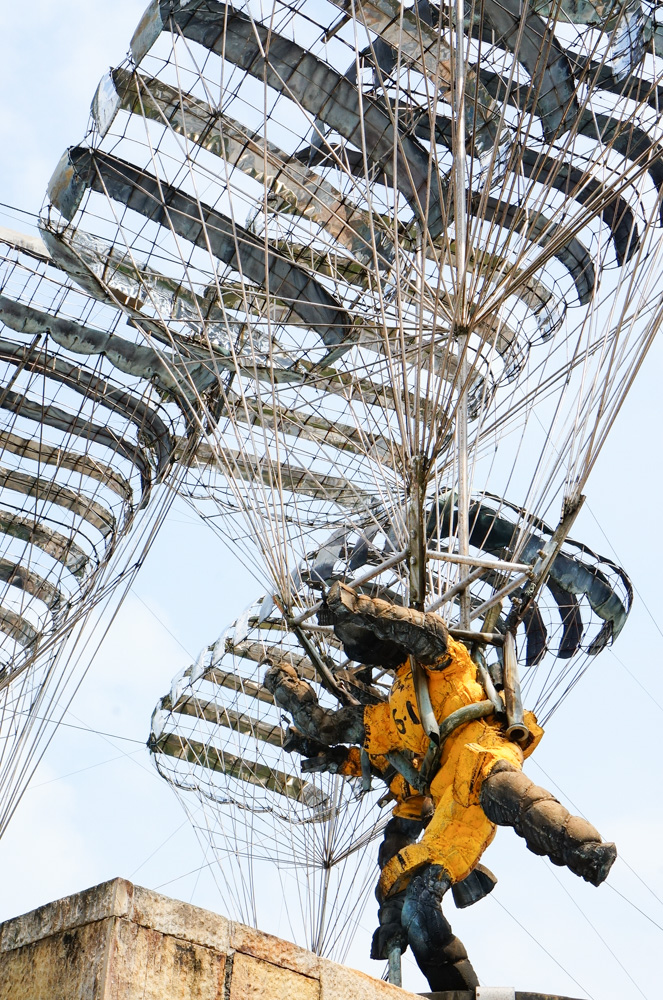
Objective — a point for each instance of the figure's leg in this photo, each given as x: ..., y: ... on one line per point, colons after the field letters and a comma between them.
x: 455, y: 838
x: 418, y: 874
x: 296, y: 696
x: 440, y: 955
x: 510, y: 798
x: 398, y: 834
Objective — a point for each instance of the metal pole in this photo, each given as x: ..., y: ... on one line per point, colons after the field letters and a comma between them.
x: 499, y: 565
x: 463, y: 488
x: 417, y: 536
x: 395, y: 976
x: 456, y: 589
x: 357, y: 582
x: 460, y: 222
x: 516, y: 728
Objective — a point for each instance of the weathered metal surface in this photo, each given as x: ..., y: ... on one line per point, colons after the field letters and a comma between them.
x: 293, y: 478
x: 228, y: 241
x: 516, y: 728
x: 54, y: 543
x: 630, y: 141
x: 628, y: 138
x: 576, y: 570
x: 45, y: 490
x: 112, y: 397
x: 74, y: 461
x: 580, y: 185
x: 541, y: 230
x: 83, y: 447
x: 148, y: 30
x: 419, y: 43
x: 535, y: 46
x: 292, y: 186
x: 125, y: 355
x: 18, y: 629
x: 323, y: 92
x: 32, y: 583
x: 61, y: 420
x: 229, y: 679
x: 227, y: 718
x: 241, y: 768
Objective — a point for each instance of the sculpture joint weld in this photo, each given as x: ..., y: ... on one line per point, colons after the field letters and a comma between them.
x: 441, y: 823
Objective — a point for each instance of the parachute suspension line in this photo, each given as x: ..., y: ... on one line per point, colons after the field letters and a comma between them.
x: 460, y: 318
x: 463, y: 485
x: 328, y: 856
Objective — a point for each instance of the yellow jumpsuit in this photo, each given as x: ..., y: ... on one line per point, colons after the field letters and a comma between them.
x: 459, y: 830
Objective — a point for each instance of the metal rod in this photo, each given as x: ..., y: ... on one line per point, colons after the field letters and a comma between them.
x: 357, y: 582
x: 376, y: 570
x: 487, y: 680
x: 417, y: 536
x: 395, y: 976
x: 460, y: 228
x: 365, y: 770
x: 456, y: 589
x: 499, y: 595
x: 424, y: 706
x: 327, y: 677
x: 463, y: 490
x: 405, y: 767
x: 467, y: 635
x: 496, y: 564
x: 468, y: 713
x: 516, y: 728
x: 459, y: 164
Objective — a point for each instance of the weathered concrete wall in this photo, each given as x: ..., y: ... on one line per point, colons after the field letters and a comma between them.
x: 121, y: 942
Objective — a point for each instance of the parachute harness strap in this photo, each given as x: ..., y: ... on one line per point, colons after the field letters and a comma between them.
x: 420, y: 779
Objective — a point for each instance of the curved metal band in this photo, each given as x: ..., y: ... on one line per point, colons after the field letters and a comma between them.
x: 321, y: 91
x: 201, y: 225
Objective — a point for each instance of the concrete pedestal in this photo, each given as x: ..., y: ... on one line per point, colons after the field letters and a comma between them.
x: 121, y: 942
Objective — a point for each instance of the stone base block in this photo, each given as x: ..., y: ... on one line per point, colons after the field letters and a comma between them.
x: 121, y: 942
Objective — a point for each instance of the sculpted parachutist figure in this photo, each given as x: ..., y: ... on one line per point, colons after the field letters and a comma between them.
x: 477, y: 782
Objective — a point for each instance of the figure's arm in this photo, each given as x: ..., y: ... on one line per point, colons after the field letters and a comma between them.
x: 318, y: 757
x: 376, y: 632
x: 336, y: 760
x: 296, y: 696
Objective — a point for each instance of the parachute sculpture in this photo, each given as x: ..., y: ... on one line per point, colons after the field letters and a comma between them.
x: 86, y: 440
x: 405, y: 260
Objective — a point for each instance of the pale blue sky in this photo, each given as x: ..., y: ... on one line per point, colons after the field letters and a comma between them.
x: 116, y: 817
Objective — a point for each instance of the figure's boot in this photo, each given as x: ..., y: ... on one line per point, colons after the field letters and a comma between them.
x: 440, y: 955
x: 390, y: 932
x: 510, y: 798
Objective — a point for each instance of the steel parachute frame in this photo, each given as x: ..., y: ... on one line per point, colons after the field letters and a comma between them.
x: 397, y: 265
x: 87, y: 444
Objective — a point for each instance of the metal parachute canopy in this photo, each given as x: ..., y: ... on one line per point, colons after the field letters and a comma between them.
x: 88, y: 436
x: 405, y: 260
